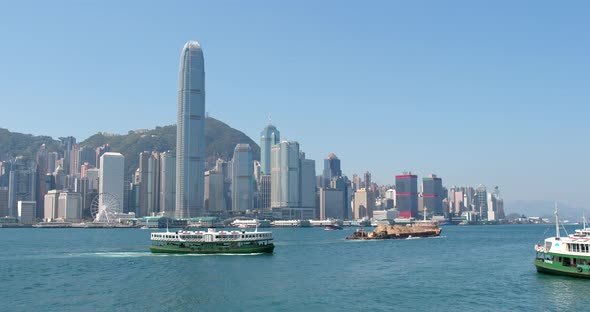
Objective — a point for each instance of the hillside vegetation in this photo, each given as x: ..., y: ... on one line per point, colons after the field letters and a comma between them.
x: 221, y: 140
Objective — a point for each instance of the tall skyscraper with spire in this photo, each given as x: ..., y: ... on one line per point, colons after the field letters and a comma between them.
x: 190, y: 133
x: 269, y: 137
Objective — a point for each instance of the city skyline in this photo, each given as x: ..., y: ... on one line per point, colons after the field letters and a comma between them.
x: 496, y: 105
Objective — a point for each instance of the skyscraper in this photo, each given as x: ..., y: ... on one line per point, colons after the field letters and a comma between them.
x: 331, y: 169
x: 149, y: 172
x: 269, y: 137
x: 242, y: 186
x: 3, y: 202
x: 432, y: 190
x: 307, y: 188
x: 364, y: 204
x: 285, y: 168
x: 292, y: 182
x: 21, y: 185
x: 190, y: 133
x: 214, y: 192
x: 167, y: 183
x: 111, y: 177
x: 481, y: 203
x: 406, y: 192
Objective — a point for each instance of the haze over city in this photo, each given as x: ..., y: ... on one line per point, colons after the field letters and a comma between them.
x: 473, y: 93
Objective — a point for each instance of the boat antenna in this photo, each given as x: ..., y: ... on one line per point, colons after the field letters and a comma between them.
x: 425, y: 213
x: 556, y: 222
x: 256, y: 222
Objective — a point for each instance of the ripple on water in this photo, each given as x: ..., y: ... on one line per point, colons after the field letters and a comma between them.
x: 469, y: 268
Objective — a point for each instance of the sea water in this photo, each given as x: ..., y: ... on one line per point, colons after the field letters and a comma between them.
x: 468, y: 268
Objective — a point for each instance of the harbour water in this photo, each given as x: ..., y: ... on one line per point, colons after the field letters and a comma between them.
x: 469, y: 268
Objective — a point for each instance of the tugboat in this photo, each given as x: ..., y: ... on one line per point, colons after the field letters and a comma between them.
x: 212, y: 242
x: 568, y: 256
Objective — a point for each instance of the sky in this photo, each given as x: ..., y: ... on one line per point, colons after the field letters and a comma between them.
x: 477, y: 92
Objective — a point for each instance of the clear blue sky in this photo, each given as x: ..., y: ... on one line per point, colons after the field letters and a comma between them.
x: 492, y: 92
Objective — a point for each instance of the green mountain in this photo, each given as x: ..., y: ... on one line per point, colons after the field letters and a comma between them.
x: 220, y: 138
x: 14, y: 144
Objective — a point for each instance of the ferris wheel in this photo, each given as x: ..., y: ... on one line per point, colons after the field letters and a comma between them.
x: 104, y: 208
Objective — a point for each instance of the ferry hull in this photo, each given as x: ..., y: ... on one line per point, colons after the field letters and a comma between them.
x: 212, y: 249
x: 558, y: 269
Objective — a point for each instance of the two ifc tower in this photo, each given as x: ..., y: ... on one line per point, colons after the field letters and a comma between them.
x: 190, y: 133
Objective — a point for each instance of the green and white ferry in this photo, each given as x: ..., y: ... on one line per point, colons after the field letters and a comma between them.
x: 569, y: 256
x: 212, y: 242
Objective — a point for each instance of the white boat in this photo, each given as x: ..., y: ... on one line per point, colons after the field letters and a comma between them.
x: 569, y: 255
x: 212, y: 242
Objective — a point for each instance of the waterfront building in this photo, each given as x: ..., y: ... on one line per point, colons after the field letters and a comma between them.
x: 270, y: 136
x: 149, y: 183
x: 285, y: 173
x: 364, y: 204
x: 40, y: 186
x: 242, y: 186
x: 333, y: 185
x: 307, y: 185
x: 481, y: 203
x: 27, y: 211
x: 264, y: 192
x: 406, y: 187
x: 331, y: 169
x: 133, y: 197
x: 168, y: 183
x: 70, y: 206
x: 224, y: 168
x: 4, y: 212
x: 292, y: 180
x: 214, y: 192
x: 50, y: 209
x: 491, y: 203
x: 190, y: 133
x: 388, y: 214
x: 112, y: 168
x: 21, y: 185
x: 458, y: 203
x: 332, y: 203
x: 432, y: 194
